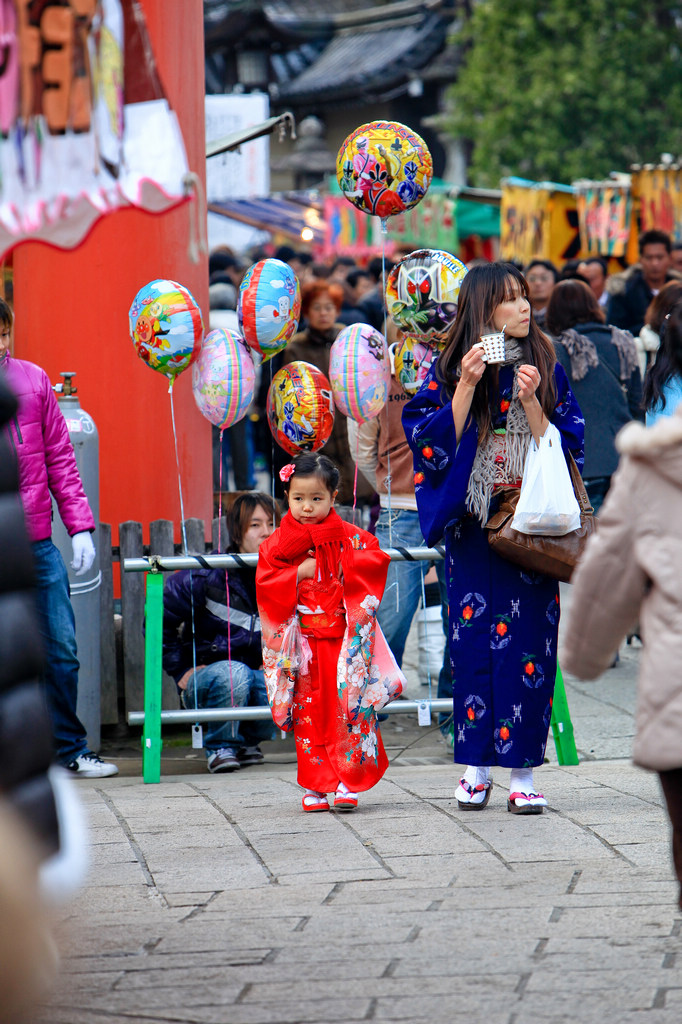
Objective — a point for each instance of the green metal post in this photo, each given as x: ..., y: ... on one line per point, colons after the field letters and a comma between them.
x: 151, y: 733
x: 562, y: 726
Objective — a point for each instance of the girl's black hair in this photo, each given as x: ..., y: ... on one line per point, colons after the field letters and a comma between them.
x: 315, y: 464
x: 668, y: 362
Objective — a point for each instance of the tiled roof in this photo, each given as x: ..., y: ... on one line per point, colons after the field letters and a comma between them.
x: 368, y: 61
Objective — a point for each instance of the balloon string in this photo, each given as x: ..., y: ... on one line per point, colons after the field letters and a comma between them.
x: 272, y: 443
x: 177, y: 465
x: 183, y: 528
x: 227, y: 588
x: 388, y: 447
x: 355, y: 477
x: 220, y: 487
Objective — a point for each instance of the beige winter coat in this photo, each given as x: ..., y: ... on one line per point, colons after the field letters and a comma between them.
x: 632, y: 569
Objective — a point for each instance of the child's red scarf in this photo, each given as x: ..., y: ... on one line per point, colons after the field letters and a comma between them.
x: 365, y: 684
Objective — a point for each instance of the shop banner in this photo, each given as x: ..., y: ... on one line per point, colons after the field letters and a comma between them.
x: 85, y: 126
x: 431, y: 224
x: 348, y: 231
x: 538, y: 223
x: 604, y: 214
x: 660, y: 200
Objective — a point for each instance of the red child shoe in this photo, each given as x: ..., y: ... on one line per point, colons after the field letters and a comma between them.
x: 315, y: 802
x: 344, y: 800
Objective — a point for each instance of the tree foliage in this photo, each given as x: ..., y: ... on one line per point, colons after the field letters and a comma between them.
x: 565, y: 89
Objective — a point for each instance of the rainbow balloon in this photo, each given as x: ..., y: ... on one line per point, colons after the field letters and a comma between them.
x: 360, y: 372
x: 223, y: 378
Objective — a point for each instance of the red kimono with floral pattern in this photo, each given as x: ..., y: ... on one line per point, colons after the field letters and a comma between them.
x: 327, y: 666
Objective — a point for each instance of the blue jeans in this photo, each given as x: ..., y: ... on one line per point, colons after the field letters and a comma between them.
x: 210, y: 687
x: 58, y: 630
x: 403, y: 589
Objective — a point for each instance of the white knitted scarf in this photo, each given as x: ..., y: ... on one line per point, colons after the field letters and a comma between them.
x: 518, y: 435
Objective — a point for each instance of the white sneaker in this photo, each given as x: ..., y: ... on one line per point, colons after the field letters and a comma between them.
x: 89, y: 766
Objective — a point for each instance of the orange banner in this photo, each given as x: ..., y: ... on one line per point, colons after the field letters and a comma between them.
x: 538, y: 223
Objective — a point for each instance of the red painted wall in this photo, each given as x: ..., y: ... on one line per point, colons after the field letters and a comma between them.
x: 72, y: 314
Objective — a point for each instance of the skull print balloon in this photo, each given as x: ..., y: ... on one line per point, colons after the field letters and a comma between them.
x: 269, y: 306
x: 422, y: 292
x: 300, y: 408
x: 223, y: 378
x: 166, y: 326
x: 384, y: 168
x: 360, y: 372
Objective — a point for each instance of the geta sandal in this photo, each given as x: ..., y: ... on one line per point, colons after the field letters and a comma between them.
x: 315, y: 802
x: 470, y: 804
x: 526, y: 803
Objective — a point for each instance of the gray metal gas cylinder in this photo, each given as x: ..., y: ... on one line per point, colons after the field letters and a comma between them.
x: 85, y: 590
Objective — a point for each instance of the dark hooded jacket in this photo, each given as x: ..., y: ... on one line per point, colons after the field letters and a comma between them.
x: 222, y: 630
x: 25, y: 731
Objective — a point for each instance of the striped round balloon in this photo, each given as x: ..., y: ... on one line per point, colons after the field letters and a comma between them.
x: 223, y: 378
x: 360, y: 372
x: 269, y: 306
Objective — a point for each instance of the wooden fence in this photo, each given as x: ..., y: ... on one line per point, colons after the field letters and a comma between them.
x: 122, y: 644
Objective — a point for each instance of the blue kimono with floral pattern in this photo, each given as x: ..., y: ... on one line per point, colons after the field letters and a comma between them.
x: 504, y: 621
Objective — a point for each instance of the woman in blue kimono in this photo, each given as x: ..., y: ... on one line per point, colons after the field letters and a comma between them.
x: 469, y: 428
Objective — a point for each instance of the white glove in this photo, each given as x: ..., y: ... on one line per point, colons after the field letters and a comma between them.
x: 83, y: 552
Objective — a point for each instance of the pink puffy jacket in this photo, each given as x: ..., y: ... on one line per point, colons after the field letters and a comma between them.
x: 47, y: 462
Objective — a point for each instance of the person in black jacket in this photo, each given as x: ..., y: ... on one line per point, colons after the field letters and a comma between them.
x: 602, y: 366
x: 212, y: 644
x: 638, y: 285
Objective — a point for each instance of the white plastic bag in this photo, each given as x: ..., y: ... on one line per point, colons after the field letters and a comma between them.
x: 547, y: 503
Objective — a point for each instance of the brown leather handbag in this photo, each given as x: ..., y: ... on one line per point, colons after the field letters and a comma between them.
x: 553, y: 556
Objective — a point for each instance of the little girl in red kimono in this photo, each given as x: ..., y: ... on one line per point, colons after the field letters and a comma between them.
x: 327, y: 666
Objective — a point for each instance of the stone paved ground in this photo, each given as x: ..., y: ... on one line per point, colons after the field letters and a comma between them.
x: 214, y: 900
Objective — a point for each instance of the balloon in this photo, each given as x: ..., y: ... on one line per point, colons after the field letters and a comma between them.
x: 300, y: 408
x: 384, y: 168
x: 422, y: 292
x: 223, y: 378
x: 166, y: 326
x: 412, y: 358
x: 360, y: 372
x: 269, y: 306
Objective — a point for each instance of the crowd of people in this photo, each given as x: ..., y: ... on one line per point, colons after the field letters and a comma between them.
x: 318, y: 630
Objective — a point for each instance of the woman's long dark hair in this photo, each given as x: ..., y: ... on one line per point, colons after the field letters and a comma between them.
x: 483, y: 289
x: 668, y: 362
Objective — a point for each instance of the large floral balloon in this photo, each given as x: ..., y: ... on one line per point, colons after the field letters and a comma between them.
x: 422, y: 293
x: 269, y: 306
x: 166, y: 326
x: 360, y: 372
x: 412, y: 359
x: 223, y: 378
x: 384, y: 168
x: 300, y: 408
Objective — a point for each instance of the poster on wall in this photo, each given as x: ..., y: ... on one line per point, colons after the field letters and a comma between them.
x: 85, y: 126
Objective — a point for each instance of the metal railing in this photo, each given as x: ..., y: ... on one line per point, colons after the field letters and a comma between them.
x: 152, y: 718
